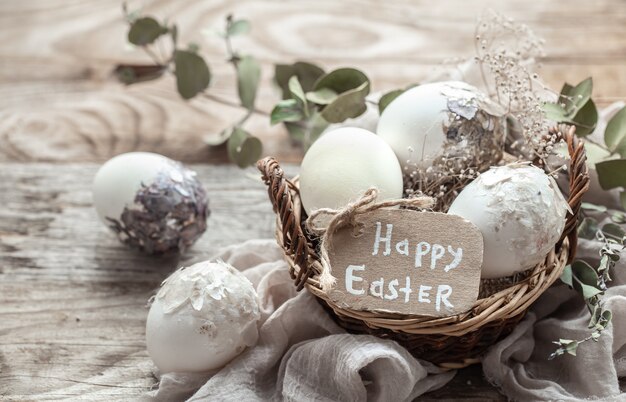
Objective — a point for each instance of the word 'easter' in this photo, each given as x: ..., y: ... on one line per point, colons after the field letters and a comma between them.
x: 376, y: 289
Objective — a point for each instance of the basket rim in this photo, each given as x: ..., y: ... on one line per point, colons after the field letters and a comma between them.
x: 505, y: 305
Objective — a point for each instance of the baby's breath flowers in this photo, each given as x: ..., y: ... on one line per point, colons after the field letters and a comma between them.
x: 506, y: 52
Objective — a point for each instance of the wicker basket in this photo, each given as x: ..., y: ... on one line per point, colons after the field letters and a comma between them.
x: 451, y: 342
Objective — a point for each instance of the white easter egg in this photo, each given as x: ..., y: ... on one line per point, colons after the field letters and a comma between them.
x: 150, y: 201
x: 341, y: 165
x: 451, y: 119
x: 202, y: 317
x: 520, y: 212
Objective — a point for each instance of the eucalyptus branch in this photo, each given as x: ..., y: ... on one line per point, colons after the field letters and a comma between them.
x: 591, y: 282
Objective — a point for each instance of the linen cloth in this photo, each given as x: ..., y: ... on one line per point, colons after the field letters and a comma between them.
x: 303, y: 355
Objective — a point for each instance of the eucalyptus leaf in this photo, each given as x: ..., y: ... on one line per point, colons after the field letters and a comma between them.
x: 315, y: 128
x: 622, y: 199
x: 296, y: 91
x: 571, y: 348
x: 605, y: 263
x: 307, y: 74
x: 131, y: 73
x: 618, y: 216
x: 348, y: 105
x: 248, y: 77
x: 342, y: 80
x: 238, y: 27
x: 387, y: 98
x: 606, y: 317
x: 555, y: 112
x: 613, y: 230
x: 615, y: 133
x: 612, y: 173
x: 243, y: 148
x: 595, y: 153
x: 575, y: 98
x: 287, y: 110
x: 322, y: 96
x: 192, y: 73
x: 143, y: 31
x: 587, y: 228
x: 566, y: 276
x: 596, y: 313
x: 587, y: 291
x: 566, y: 89
x: 584, y: 279
x: 586, y: 119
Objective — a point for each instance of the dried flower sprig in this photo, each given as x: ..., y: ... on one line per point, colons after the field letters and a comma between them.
x: 505, y: 53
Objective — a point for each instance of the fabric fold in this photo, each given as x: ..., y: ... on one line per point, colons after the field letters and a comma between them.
x: 303, y: 355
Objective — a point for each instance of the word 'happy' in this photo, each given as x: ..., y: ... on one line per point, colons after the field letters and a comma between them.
x: 437, y: 251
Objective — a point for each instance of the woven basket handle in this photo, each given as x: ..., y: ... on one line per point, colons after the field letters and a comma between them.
x: 294, y: 240
x: 296, y: 243
x: 578, y: 183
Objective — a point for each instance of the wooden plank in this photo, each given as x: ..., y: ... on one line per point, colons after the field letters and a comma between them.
x: 73, y: 299
x: 58, y: 102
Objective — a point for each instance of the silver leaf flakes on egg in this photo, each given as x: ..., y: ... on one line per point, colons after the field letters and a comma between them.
x: 201, y: 318
x: 444, y: 124
x: 475, y: 128
x: 152, y: 202
x: 521, y: 213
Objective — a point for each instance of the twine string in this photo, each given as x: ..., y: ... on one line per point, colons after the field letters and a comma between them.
x: 346, y: 216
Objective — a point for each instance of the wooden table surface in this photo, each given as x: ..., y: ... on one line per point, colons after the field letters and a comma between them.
x: 72, y: 299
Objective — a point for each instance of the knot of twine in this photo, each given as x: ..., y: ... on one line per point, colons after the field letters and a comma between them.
x: 347, y: 216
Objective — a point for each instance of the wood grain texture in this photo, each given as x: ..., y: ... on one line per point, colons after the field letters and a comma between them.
x: 73, y: 299
x: 59, y: 103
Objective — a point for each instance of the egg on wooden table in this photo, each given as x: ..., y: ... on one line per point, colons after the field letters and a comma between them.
x: 451, y: 119
x: 152, y: 202
x: 345, y: 162
x: 520, y: 212
x: 202, y: 317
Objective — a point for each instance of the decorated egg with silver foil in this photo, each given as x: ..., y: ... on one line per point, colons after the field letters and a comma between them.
x: 152, y: 202
x: 520, y: 212
x: 449, y: 124
x: 202, y: 317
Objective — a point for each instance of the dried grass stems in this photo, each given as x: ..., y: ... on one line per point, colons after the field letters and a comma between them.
x: 505, y: 54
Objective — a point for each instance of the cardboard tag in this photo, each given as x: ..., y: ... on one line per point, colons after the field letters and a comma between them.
x: 408, y: 262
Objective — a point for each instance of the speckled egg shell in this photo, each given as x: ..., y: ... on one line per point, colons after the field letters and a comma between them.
x: 520, y: 212
x: 201, y: 318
